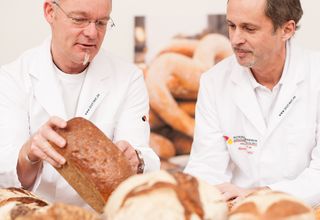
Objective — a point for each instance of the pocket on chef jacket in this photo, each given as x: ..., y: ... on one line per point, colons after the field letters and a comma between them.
x: 299, y: 143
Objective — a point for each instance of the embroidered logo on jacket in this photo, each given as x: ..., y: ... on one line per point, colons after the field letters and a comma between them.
x: 242, y: 143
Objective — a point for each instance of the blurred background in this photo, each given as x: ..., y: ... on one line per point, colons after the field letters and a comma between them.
x: 23, y: 25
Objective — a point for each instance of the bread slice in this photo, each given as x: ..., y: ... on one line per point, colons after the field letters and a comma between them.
x: 95, y: 166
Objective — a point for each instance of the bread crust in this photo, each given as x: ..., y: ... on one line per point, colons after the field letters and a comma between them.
x: 95, y: 166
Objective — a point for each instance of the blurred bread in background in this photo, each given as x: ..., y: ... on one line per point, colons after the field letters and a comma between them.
x: 163, y: 147
x: 172, y: 79
x: 317, y: 212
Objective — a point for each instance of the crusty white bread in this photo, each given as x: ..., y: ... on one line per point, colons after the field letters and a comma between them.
x: 16, y: 202
x: 160, y: 195
x: 267, y: 204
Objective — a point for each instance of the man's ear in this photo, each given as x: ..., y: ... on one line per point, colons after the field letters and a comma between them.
x: 48, y: 11
x: 288, y: 30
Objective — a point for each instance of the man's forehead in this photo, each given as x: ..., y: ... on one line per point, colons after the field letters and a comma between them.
x: 247, y: 5
x: 88, y: 6
x: 109, y: 2
x: 244, y: 12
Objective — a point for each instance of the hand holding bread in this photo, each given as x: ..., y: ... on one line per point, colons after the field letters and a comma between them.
x: 129, y: 152
x: 82, y: 154
x: 38, y: 147
x: 95, y: 166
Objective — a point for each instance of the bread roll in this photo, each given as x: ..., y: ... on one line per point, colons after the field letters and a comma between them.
x: 95, y: 166
x: 188, y: 107
x: 155, y: 121
x: 162, y: 146
x: 182, y: 46
x: 181, y: 142
x: 178, y: 90
x: 160, y: 195
x: 268, y: 204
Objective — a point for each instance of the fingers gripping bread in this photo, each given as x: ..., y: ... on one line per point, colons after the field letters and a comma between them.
x: 95, y: 166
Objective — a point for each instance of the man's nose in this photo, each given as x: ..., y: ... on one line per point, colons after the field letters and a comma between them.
x: 91, y: 30
x: 237, y: 37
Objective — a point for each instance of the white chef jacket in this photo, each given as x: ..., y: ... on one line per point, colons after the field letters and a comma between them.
x: 113, y: 97
x: 232, y: 142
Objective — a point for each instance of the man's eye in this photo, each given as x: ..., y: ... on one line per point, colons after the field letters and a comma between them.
x: 80, y: 20
x: 102, y: 22
x: 249, y: 29
x: 231, y: 26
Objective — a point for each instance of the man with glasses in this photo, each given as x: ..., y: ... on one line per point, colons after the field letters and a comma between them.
x: 65, y: 77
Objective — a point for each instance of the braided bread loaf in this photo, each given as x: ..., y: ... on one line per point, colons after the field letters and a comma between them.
x: 175, y: 75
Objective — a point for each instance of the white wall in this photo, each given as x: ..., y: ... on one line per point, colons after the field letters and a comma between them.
x: 23, y: 25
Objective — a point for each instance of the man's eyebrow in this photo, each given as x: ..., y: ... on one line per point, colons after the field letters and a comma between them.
x: 78, y: 13
x: 84, y: 14
x: 249, y: 25
x: 243, y: 24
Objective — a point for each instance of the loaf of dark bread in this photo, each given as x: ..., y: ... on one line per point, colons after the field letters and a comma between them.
x: 95, y: 166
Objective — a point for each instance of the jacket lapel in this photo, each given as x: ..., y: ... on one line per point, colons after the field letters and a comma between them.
x: 96, y: 86
x: 288, y: 94
x: 246, y: 100
x: 47, y: 90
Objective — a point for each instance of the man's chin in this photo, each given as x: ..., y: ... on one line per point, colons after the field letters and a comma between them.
x: 245, y: 63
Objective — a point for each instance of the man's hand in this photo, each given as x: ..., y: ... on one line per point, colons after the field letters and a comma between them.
x: 37, y: 149
x: 38, y: 146
x: 129, y: 153
x: 233, y: 192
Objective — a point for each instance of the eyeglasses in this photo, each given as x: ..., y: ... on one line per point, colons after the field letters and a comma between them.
x: 101, y: 24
